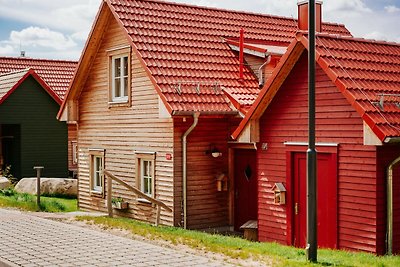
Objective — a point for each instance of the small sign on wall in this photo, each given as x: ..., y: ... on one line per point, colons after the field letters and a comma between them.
x: 168, y: 156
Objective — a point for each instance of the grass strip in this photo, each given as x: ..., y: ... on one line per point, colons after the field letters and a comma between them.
x: 235, y: 247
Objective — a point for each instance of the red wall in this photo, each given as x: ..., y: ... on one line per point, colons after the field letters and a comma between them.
x: 337, y: 122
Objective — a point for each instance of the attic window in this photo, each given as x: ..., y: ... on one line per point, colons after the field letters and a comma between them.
x: 120, y: 75
x: 119, y: 78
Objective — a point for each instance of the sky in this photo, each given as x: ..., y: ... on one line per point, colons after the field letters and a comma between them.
x: 58, y: 29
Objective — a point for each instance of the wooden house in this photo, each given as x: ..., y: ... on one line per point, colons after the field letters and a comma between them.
x: 357, y: 135
x: 158, y: 90
x: 31, y: 92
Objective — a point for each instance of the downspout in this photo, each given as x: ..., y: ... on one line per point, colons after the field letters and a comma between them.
x: 184, y: 167
x: 389, y: 203
x: 260, y: 70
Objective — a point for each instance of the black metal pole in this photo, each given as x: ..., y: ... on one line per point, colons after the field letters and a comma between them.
x: 38, y: 172
x: 311, y: 249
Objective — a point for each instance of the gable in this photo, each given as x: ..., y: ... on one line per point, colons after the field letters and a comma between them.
x: 28, y: 101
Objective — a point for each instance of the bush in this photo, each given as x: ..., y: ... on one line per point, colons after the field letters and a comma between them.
x: 6, y: 172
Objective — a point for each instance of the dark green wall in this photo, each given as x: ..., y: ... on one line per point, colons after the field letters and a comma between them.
x: 43, y: 139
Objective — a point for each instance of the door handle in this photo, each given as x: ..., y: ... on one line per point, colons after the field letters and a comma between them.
x: 296, y: 208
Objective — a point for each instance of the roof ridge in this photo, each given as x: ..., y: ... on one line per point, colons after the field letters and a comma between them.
x: 15, y: 72
x: 232, y: 11
x: 356, y: 39
x: 39, y: 59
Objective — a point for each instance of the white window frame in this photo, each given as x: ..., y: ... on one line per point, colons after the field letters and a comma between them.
x: 141, y: 158
x: 96, y: 171
x: 122, y: 96
x: 74, y: 147
x: 146, y: 169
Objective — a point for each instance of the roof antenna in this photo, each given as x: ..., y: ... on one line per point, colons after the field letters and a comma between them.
x: 22, y: 52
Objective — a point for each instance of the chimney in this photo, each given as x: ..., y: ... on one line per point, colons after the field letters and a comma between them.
x: 303, y: 15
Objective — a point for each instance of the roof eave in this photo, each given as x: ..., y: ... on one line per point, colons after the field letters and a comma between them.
x: 266, y: 94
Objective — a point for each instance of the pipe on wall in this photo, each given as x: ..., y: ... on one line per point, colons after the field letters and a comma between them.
x: 389, y: 203
x: 184, y: 167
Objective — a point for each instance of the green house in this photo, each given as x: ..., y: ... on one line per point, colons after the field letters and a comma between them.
x: 29, y: 131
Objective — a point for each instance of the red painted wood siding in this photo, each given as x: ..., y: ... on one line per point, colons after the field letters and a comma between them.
x: 337, y: 122
x: 206, y: 207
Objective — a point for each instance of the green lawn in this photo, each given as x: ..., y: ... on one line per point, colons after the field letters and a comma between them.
x: 9, y: 198
x: 239, y: 248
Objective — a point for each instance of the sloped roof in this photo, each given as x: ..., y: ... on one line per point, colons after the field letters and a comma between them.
x: 57, y: 74
x: 11, y: 80
x: 367, y: 72
x: 184, y: 50
x: 182, y: 45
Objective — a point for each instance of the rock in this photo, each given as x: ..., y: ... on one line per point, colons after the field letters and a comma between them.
x: 4, y: 182
x: 50, y: 186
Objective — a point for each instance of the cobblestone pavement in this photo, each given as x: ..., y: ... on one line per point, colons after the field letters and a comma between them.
x: 27, y: 240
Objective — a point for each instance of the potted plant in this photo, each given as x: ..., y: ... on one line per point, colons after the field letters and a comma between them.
x: 119, y: 203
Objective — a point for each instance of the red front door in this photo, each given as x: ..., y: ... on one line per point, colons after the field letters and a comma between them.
x: 245, y: 187
x: 326, y: 200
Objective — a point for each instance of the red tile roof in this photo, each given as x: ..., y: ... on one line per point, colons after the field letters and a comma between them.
x: 57, y: 74
x: 11, y: 81
x: 184, y: 49
x: 367, y: 72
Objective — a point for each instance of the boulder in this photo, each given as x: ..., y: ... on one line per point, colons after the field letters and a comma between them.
x: 49, y: 186
x: 4, y: 182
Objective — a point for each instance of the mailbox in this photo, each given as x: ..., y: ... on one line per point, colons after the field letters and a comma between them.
x: 279, y: 193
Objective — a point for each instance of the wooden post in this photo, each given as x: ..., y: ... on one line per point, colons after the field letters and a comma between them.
x: 109, y: 190
x: 158, y: 215
x: 38, y: 171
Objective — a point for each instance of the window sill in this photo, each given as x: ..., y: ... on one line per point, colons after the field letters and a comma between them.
x: 119, y: 103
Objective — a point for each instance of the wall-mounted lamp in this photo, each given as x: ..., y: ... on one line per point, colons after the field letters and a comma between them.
x: 213, y: 150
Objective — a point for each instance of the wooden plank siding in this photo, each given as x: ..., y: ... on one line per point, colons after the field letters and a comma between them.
x: 122, y: 130
x: 286, y: 120
x: 206, y: 207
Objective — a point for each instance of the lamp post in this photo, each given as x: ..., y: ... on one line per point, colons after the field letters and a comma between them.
x: 311, y: 249
x: 38, y: 171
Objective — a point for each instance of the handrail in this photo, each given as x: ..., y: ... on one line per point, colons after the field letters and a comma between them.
x: 110, y: 177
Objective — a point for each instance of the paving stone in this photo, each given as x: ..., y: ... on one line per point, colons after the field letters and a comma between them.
x: 32, y: 241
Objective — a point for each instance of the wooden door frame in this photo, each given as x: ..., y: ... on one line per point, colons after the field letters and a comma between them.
x: 233, y: 147
x: 291, y: 149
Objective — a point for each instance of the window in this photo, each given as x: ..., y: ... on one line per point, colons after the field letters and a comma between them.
x: 120, y: 78
x: 96, y: 171
x: 145, y: 177
x: 74, y: 152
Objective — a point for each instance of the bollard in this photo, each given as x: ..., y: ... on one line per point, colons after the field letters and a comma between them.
x: 38, y: 171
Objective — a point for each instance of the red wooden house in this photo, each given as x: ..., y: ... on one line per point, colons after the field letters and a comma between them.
x: 158, y: 90
x: 357, y: 134
x: 53, y: 76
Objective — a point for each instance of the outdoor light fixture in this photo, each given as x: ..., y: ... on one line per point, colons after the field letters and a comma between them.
x: 213, y: 150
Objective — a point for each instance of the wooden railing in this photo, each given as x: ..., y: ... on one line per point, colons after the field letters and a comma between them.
x: 139, y: 193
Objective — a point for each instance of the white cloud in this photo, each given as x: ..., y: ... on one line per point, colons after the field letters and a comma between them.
x: 392, y: 9
x: 41, y: 37
x: 70, y: 16
x: 6, y: 49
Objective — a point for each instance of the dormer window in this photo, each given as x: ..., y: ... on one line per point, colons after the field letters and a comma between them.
x: 119, y: 71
